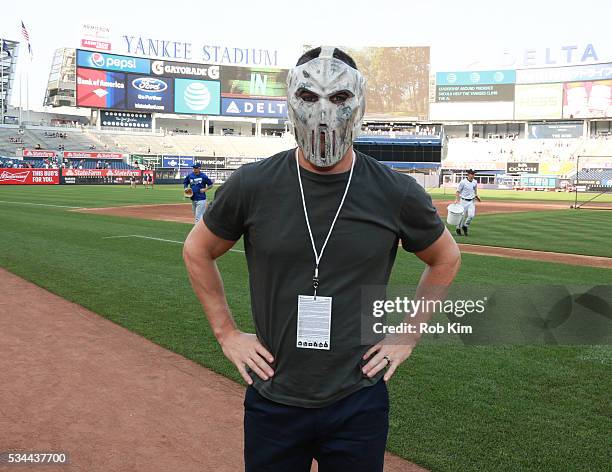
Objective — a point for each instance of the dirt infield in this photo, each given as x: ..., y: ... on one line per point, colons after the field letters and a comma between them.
x: 526, y: 254
x: 182, y: 213
x: 75, y: 382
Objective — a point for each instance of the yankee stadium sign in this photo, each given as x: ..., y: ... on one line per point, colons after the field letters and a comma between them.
x: 207, y: 53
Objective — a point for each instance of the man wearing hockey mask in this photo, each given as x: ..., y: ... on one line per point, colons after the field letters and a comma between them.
x: 320, y: 223
x: 326, y: 102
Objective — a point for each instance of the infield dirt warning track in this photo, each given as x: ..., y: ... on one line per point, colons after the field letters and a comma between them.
x: 77, y: 383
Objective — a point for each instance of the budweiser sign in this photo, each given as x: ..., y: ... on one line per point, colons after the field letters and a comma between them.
x: 92, y: 155
x: 38, y: 153
x: 29, y: 176
x: 16, y: 177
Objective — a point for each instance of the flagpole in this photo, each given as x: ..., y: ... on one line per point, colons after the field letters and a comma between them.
x: 28, y: 93
x: 20, y: 105
x: 2, y: 81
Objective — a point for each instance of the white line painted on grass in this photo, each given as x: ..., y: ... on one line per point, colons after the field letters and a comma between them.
x: 157, y: 239
x: 40, y: 204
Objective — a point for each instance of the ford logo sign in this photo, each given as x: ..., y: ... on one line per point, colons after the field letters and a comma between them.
x: 149, y: 84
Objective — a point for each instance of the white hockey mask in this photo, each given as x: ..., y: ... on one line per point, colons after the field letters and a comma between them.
x: 325, y: 103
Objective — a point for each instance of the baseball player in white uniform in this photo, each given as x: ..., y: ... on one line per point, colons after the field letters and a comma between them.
x: 466, y: 195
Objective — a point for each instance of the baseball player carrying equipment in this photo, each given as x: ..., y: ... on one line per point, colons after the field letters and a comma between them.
x: 466, y: 195
x: 199, y: 183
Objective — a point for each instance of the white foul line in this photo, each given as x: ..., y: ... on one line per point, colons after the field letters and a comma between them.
x: 40, y: 204
x: 157, y: 239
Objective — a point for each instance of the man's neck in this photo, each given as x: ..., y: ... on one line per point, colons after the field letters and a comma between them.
x: 343, y: 165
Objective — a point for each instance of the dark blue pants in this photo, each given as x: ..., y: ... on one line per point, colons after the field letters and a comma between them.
x: 349, y: 435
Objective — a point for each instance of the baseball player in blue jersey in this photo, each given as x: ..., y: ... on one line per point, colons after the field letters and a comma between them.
x: 199, y: 183
x: 466, y: 195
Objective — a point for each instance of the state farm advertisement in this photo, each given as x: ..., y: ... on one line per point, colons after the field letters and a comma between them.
x: 92, y: 155
x: 38, y: 153
x: 29, y: 176
x: 101, y: 172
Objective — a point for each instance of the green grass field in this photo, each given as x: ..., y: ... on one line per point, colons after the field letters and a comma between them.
x: 502, y: 408
x: 569, y: 231
x: 513, y: 195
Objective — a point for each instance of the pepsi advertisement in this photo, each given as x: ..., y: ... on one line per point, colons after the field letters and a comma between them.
x: 101, y: 60
x: 150, y: 94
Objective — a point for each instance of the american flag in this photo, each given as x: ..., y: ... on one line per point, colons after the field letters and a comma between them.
x: 26, y: 36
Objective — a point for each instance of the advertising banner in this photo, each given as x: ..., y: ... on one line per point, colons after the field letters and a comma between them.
x: 101, y: 172
x: 587, y: 99
x: 125, y: 119
x: 564, y: 74
x: 38, y: 153
x: 522, y: 167
x: 483, y: 77
x: 100, y: 89
x: 253, y: 82
x: 95, y: 37
x: 177, y: 161
x: 254, y: 107
x: 145, y: 93
x: 101, y: 60
x: 211, y: 161
x: 196, y: 97
x: 475, y: 93
x: 91, y: 155
x: 95, y: 44
x: 540, y: 101
x: 185, y: 70
x: 29, y: 176
x: 555, y: 130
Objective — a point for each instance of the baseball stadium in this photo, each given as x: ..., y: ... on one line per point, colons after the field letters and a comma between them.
x: 107, y: 128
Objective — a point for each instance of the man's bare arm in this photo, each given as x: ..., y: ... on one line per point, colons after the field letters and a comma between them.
x: 443, y: 260
x: 200, y: 250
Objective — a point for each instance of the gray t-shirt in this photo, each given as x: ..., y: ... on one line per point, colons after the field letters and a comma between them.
x: 262, y: 202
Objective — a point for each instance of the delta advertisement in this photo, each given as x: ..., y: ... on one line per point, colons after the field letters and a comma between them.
x: 29, y: 176
x: 253, y: 107
x: 587, y: 99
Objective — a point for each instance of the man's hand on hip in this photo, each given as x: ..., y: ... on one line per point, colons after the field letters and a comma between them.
x: 387, y: 354
x: 244, y: 349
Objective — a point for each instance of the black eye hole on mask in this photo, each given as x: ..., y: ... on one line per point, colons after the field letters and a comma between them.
x: 339, y: 98
x: 307, y: 95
